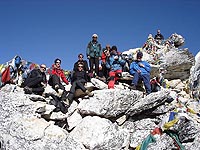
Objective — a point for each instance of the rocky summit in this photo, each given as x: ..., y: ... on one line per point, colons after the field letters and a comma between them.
x: 113, y: 119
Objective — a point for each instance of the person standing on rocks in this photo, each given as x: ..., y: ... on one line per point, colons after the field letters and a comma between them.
x: 94, y: 53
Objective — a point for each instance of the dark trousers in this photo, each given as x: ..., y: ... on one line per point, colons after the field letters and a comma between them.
x: 105, y: 71
x: 53, y: 80
x: 94, y: 62
x: 146, y: 80
x: 35, y: 84
x: 75, y: 85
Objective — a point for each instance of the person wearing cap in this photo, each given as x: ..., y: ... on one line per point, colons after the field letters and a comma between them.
x: 159, y: 37
x: 114, y: 63
x: 57, y: 76
x: 36, y: 81
x: 94, y: 53
x: 141, y: 71
x: 79, y: 79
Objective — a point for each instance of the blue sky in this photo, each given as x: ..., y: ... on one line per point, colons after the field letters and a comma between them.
x: 42, y: 30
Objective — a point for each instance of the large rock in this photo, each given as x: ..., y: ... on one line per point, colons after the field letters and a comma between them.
x: 109, y: 103
x: 97, y: 133
x: 178, y: 64
x: 195, y: 78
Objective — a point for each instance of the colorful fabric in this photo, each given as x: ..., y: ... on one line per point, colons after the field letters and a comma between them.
x: 149, y: 139
x: 170, y: 124
x: 5, y: 76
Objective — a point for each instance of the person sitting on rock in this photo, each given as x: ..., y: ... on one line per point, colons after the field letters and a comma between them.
x: 57, y: 76
x: 114, y: 63
x: 36, y: 81
x: 141, y: 71
x: 84, y: 63
x: 79, y: 79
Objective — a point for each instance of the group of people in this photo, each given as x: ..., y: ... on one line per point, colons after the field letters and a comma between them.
x: 105, y: 64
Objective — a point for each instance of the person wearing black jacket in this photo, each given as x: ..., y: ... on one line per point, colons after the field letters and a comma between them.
x: 159, y: 37
x: 79, y: 79
x: 36, y: 81
x: 81, y: 61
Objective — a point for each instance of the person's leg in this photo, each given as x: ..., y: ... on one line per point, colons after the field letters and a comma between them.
x: 135, y: 79
x: 55, y: 82
x: 96, y: 66
x: 146, y: 80
x: 80, y: 84
x: 91, y: 63
x: 112, y: 80
x: 72, y: 91
x: 31, y: 82
x: 38, y: 90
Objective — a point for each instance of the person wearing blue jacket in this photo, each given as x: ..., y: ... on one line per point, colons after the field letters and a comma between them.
x: 94, y: 53
x: 141, y: 71
x: 114, y: 63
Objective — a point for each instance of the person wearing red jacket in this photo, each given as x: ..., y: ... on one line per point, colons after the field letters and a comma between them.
x: 104, y: 56
x: 57, y: 76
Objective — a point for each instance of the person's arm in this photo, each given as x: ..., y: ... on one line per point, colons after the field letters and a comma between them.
x: 86, y: 66
x: 146, y: 66
x: 88, y: 50
x: 62, y: 75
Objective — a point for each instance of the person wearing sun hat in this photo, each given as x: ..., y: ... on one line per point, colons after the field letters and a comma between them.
x: 94, y: 53
x: 141, y: 71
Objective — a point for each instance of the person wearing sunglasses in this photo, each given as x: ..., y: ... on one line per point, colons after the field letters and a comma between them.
x: 57, y: 77
x: 141, y: 71
x: 81, y: 61
x: 79, y: 79
x: 36, y: 81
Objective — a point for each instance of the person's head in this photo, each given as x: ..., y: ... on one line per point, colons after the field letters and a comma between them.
x: 139, y: 55
x: 43, y: 67
x: 94, y: 37
x: 150, y: 36
x: 158, y: 31
x: 57, y: 62
x: 114, y: 49
x: 80, y: 56
x: 80, y: 67
x: 108, y: 47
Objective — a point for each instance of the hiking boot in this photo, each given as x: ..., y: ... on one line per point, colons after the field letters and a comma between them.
x: 66, y: 101
x: 56, y: 87
x: 89, y: 93
x: 27, y: 90
x: 60, y: 92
